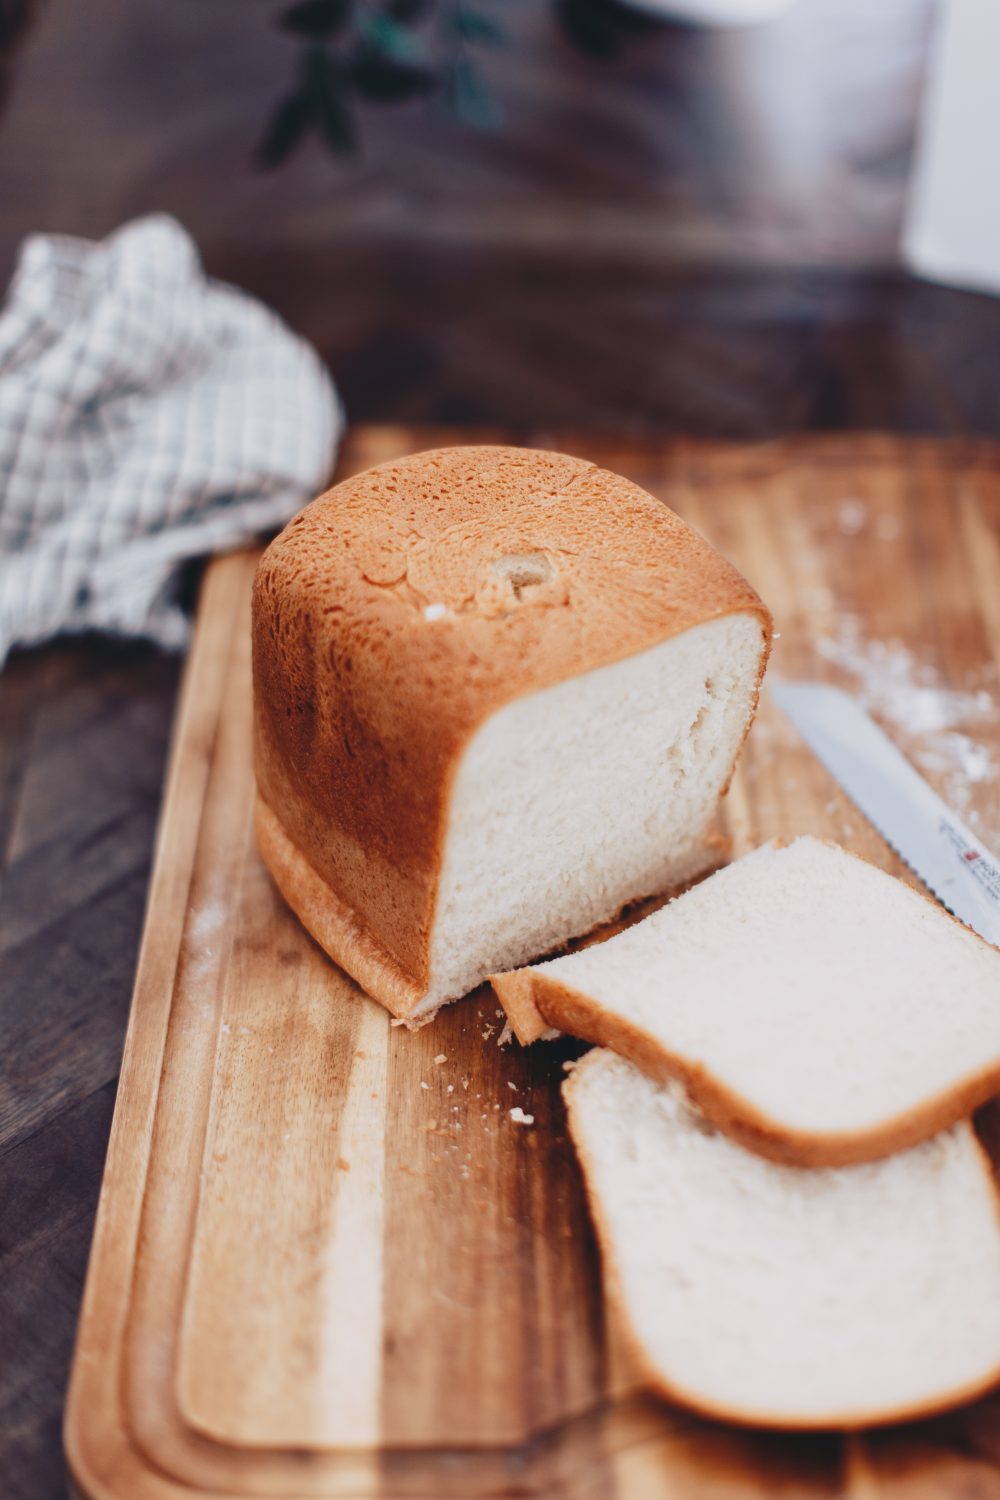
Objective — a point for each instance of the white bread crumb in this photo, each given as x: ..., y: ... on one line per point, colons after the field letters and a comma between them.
x: 519, y: 1117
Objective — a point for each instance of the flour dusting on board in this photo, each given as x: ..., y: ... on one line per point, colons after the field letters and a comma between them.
x: 946, y: 731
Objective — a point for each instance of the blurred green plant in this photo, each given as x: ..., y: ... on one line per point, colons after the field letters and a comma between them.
x: 354, y: 53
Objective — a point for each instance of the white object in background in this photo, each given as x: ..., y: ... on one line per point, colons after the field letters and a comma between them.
x: 713, y: 12
x: 952, y: 228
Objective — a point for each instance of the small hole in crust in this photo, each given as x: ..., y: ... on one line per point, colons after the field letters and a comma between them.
x: 523, y: 570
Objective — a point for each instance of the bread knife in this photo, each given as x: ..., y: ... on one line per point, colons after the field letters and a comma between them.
x: 952, y: 862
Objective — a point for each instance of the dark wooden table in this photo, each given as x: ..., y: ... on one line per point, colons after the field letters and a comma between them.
x: 83, y: 735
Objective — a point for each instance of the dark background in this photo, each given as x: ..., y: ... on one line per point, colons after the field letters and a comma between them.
x: 700, y: 237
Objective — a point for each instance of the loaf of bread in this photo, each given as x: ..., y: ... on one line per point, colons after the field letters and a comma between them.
x: 781, y: 1296
x: 817, y: 1009
x: 497, y: 696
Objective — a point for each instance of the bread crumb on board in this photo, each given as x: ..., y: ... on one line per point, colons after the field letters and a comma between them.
x: 519, y: 1117
x: 441, y: 1058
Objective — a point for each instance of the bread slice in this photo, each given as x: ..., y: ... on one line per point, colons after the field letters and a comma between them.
x: 781, y: 1296
x: 497, y: 696
x: 815, y: 1008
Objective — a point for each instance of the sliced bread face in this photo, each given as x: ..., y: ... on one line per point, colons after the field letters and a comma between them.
x: 814, y: 1007
x: 570, y: 803
x: 766, y: 1294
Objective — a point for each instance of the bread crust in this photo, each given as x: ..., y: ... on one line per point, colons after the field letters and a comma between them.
x: 674, y: 1390
x: 334, y: 926
x: 516, y: 992
x: 535, y: 567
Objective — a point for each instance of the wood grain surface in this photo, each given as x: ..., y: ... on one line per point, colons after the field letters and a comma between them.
x: 327, y: 1262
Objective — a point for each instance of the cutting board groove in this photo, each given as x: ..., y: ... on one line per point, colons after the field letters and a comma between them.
x: 326, y: 1262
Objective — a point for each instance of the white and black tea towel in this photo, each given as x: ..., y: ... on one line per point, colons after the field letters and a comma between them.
x: 147, y: 415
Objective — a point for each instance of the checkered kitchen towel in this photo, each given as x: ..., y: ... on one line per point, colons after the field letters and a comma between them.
x: 147, y: 415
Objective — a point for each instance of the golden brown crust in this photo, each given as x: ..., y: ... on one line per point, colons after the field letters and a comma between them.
x: 573, y: 1011
x: 655, y: 1379
x: 334, y: 926
x: 516, y: 992
x: 536, y: 567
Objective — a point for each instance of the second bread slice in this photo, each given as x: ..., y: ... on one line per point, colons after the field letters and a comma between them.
x: 781, y: 1297
x: 815, y: 1008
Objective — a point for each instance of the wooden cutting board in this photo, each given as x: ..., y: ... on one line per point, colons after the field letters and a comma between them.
x: 327, y: 1262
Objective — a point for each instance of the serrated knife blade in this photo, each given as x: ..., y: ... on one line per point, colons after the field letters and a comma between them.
x: 952, y: 862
